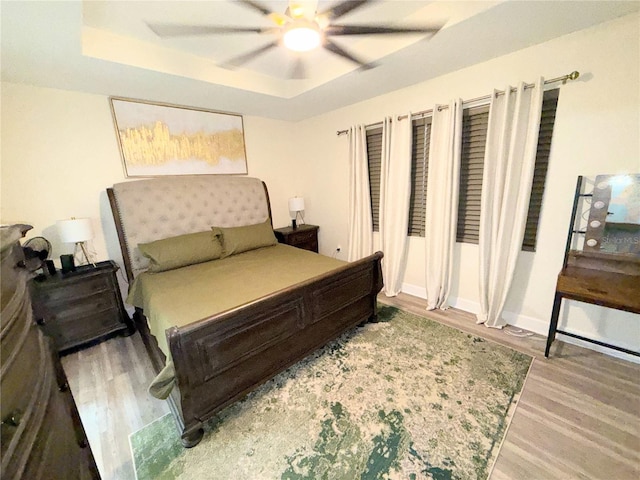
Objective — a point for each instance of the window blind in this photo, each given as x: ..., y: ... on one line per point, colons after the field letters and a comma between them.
x: 547, y: 122
x: 421, y: 136
x: 474, y: 138
x: 374, y: 158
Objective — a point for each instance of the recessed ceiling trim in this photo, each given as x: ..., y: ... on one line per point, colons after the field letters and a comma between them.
x: 103, y: 45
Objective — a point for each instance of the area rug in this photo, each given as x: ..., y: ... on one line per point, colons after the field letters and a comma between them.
x: 405, y: 398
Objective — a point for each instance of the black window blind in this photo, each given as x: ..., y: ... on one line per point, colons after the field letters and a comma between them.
x: 474, y: 139
x: 374, y: 158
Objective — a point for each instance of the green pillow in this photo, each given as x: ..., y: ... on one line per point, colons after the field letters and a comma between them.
x: 180, y: 251
x: 241, y: 239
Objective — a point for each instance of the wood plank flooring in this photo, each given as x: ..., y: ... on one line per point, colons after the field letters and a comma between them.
x: 109, y: 384
x: 578, y: 416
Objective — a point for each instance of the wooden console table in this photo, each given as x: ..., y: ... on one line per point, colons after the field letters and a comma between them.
x: 605, y: 279
x: 593, y: 276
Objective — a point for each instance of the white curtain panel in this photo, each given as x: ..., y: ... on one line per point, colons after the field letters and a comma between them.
x: 509, y: 162
x: 360, y: 223
x: 395, y: 195
x: 384, y: 176
x: 442, y: 201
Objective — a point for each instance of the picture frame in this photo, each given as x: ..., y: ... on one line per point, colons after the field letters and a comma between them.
x: 157, y: 139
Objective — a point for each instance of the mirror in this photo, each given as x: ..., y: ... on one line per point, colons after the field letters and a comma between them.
x: 614, y: 216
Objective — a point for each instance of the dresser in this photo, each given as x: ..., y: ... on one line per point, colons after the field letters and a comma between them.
x: 41, y: 433
x: 81, y: 307
x: 304, y: 236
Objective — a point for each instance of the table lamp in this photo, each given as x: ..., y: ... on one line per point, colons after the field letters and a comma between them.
x: 78, y: 231
x: 296, y: 207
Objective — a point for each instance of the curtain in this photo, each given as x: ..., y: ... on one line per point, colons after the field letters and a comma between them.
x: 442, y: 201
x: 360, y: 223
x: 509, y: 162
x: 395, y: 195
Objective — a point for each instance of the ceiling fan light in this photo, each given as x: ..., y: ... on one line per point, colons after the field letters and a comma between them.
x: 301, y: 39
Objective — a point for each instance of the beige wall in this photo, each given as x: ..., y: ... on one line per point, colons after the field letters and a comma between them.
x: 597, y: 131
x: 59, y: 153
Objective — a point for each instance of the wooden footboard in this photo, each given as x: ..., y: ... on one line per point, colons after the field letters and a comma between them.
x: 220, y: 359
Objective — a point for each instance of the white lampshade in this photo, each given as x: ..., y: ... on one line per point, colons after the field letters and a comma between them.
x: 296, y: 204
x: 75, y: 230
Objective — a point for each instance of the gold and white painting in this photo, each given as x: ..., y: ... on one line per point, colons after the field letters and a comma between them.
x: 161, y: 139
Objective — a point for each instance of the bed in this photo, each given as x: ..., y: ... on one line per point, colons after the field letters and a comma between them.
x: 214, y: 335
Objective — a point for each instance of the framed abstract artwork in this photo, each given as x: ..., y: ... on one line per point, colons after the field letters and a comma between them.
x: 161, y: 139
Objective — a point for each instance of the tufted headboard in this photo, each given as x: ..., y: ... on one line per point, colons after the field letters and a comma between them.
x: 157, y: 208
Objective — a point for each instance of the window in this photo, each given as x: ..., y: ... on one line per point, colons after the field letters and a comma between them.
x: 474, y: 136
x: 547, y: 122
x: 374, y: 157
x: 421, y: 137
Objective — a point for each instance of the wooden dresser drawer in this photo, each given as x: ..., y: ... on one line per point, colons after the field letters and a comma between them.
x: 80, y: 307
x: 60, y: 293
x: 303, y: 237
x: 23, y: 364
x: 79, y: 330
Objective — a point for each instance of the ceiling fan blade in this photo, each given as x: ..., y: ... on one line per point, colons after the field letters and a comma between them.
x: 298, y: 72
x: 245, y: 57
x: 164, y: 30
x: 343, y: 8
x: 255, y: 5
x: 375, y: 30
x: 333, y: 48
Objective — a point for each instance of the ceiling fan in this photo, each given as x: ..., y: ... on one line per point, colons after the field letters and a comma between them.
x: 301, y: 28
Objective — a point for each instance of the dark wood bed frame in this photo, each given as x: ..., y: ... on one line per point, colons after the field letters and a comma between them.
x: 221, y: 358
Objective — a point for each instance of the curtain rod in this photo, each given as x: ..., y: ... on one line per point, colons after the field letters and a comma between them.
x: 570, y: 76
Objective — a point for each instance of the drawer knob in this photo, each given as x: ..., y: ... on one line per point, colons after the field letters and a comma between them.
x: 13, y: 419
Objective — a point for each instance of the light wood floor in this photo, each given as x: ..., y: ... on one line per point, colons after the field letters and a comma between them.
x: 578, y: 416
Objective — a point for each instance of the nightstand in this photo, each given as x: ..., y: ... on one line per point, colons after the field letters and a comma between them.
x: 80, y: 307
x: 305, y: 236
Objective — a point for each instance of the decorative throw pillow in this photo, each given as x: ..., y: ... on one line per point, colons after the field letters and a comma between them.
x: 241, y: 239
x: 180, y: 251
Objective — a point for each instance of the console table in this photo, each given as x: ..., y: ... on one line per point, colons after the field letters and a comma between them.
x: 607, y: 279
x: 604, y: 279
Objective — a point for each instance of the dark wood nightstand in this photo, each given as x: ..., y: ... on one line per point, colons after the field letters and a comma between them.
x: 305, y: 236
x: 80, y: 307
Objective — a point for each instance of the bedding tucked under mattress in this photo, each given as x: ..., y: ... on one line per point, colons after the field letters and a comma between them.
x: 185, y: 295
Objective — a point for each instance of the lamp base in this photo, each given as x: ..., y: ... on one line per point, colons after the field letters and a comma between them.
x: 294, y: 224
x: 81, y: 246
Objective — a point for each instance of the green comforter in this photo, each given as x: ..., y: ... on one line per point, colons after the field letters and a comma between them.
x: 182, y: 296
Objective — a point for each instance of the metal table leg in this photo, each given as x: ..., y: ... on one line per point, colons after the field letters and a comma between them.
x: 553, y: 325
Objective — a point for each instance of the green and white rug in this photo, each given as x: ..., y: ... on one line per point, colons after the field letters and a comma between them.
x: 406, y: 398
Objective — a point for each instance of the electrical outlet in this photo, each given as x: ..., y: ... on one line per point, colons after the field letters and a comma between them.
x: 338, y: 248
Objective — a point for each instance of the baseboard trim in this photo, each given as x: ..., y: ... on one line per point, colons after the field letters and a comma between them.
x: 525, y: 322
